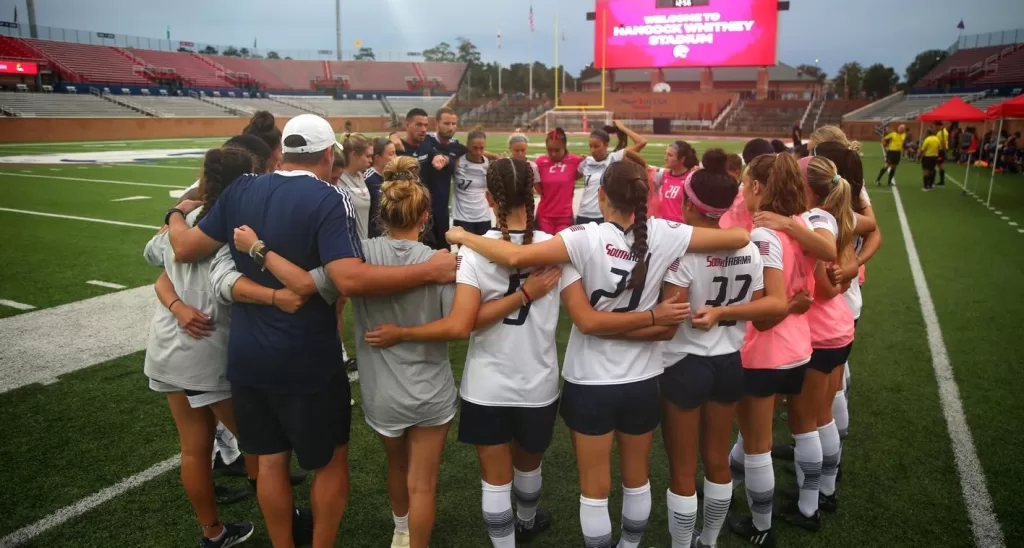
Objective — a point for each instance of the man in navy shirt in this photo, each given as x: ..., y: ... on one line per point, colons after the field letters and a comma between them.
x: 289, y: 386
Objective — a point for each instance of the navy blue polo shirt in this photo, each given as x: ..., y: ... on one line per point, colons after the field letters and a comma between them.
x: 310, y: 223
x: 439, y: 182
x: 374, y: 182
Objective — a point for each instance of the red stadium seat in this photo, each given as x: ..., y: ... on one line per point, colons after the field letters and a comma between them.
x: 16, y: 50
x: 89, y: 63
x: 190, y: 68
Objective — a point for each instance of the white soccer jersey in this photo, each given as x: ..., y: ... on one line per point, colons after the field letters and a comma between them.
x: 513, y: 362
x: 769, y: 246
x: 854, y: 298
x: 819, y: 218
x: 592, y: 171
x: 470, y: 202
x: 714, y: 279
x: 601, y: 254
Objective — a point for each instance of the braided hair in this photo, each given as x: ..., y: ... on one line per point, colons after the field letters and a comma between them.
x: 625, y: 186
x: 221, y: 167
x: 510, y: 182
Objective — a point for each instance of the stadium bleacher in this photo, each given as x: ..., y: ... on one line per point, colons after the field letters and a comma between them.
x: 767, y: 116
x: 62, y: 105
x: 191, y: 69
x: 906, y: 106
x: 179, y: 106
x: 333, y: 107
x: 1008, y: 70
x: 403, y: 104
x: 16, y: 50
x: 257, y: 70
x: 88, y: 63
x: 252, y: 105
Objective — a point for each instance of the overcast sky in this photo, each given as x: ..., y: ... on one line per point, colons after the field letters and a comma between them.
x: 832, y: 31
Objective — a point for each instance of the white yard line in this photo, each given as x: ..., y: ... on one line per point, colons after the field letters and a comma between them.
x: 25, y: 534
x: 108, y: 285
x: 984, y: 525
x: 16, y: 305
x: 159, y: 166
x: 76, y: 218
x: 103, y: 181
x: 982, y: 202
x: 37, y: 346
x: 130, y: 198
x: 100, y: 143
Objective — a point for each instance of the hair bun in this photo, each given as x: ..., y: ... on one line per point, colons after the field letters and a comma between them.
x: 262, y: 120
x: 715, y: 160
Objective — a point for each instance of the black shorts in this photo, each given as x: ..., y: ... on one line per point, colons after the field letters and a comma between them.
x: 892, y: 157
x: 479, y: 229
x: 827, y: 359
x: 311, y: 425
x: 587, y: 220
x: 764, y: 383
x: 698, y: 379
x: 942, y: 157
x: 435, y: 237
x: 530, y: 427
x: 928, y: 163
x: 596, y: 409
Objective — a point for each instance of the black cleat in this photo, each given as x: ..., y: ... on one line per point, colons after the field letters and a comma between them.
x: 298, y: 477
x: 229, y: 495
x: 234, y: 534
x: 839, y: 473
x: 828, y: 503
x: 783, y: 451
x: 541, y: 523
x: 743, y: 526
x: 302, y: 527
x: 235, y: 470
x: 791, y: 514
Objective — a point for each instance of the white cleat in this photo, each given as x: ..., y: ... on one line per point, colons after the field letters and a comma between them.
x: 400, y: 540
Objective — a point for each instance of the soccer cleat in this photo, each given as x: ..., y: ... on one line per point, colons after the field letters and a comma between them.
x: 235, y: 470
x: 400, y: 540
x: 828, y: 503
x: 743, y: 526
x: 298, y: 476
x: 791, y: 514
x: 783, y: 451
x: 229, y: 495
x: 695, y: 541
x: 302, y: 527
x: 352, y: 370
x: 234, y: 534
x: 541, y: 523
x: 839, y: 473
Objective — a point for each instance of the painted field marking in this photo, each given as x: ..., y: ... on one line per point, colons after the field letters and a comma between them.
x: 101, y: 181
x: 109, y: 285
x: 984, y: 525
x: 130, y: 198
x: 16, y: 305
x: 86, y: 144
x: 27, y: 533
x: 982, y: 201
x: 76, y: 218
x: 160, y: 166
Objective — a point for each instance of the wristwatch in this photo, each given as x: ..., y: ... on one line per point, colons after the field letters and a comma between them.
x: 172, y: 211
x: 258, y: 252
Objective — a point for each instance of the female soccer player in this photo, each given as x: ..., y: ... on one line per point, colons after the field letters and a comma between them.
x: 739, y: 215
x: 610, y: 391
x: 775, y: 351
x: 509, y: 387
x: 383, y: 152
x: 470, y: 209
x: 680, y: 164
x: 558, y: 170
x: 518, y: 147
x: 593, y: 166
x: 357, y: 151
x: 704, y: 382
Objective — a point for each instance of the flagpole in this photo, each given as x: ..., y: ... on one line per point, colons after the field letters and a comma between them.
x: 499, y: 63
x: 556, y: 61
x: 533, y: 58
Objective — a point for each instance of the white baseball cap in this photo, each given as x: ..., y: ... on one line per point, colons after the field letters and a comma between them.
x: 317, y: 132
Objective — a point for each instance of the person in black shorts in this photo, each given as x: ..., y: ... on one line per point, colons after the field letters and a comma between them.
x: 893, y: 144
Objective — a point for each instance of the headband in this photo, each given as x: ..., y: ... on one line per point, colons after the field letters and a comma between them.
x: 706, y: 210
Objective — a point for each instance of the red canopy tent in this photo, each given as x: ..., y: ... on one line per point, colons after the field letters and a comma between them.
x: 1013, y: 108
x: 954, y: 110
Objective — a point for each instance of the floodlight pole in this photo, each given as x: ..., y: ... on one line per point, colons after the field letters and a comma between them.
x: 337, y: 13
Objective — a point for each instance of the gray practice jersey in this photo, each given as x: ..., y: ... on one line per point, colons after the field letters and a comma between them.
x: 409, y: 383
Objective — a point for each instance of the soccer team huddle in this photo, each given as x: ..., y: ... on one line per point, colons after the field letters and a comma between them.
x: 700, y: 293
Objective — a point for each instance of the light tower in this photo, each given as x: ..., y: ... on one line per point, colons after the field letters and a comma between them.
x: 337, y: 13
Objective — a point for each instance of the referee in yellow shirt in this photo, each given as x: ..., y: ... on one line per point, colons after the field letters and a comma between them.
x: 893, y: 152
x: 943, y: 135
x: 930, y: 158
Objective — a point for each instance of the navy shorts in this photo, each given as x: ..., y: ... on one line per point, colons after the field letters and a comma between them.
x: 827, y: 359
x: 695, y: 380
x: 311, y: 425
x: 586, y: 220
x: 530, y: 427
x: 597, y: 409
x: 763, y: 383
x: 479, y: 229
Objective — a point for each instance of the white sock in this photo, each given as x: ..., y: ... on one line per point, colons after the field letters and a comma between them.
x: 846, y: 380
x: 401, y: 523
x: 636, y: 508
x: 760, y: 482
x: 736, y: 459
x: 497, y: 506
x: 807, y: 457
x: 841, y: 413
x: 595, y: 522
x: 682, y: 517
x: 717, y: 497
x: 831, y: 451
x: 526, y: 489
x: 225, y: 443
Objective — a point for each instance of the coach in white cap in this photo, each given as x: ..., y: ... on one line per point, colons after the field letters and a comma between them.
x: 288, y: 381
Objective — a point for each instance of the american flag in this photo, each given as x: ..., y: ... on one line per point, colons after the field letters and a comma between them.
x: 499, y: 38
x: 762, y: 247
x: 814, y: 218
x: 531, y: 17
x: 577, y: 228
x: 458, y: 262
x: 674, y: 267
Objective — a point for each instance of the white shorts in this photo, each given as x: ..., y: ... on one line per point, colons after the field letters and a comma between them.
x: 399, y: 433
x: 196, y: 398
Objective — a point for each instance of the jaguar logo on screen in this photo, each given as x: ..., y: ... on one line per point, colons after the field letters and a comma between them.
x: 680, y: 52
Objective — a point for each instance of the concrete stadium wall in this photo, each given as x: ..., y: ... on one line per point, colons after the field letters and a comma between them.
x: 21, y: 130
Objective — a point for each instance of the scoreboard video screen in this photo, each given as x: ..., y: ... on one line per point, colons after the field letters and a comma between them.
x: 685, y: 33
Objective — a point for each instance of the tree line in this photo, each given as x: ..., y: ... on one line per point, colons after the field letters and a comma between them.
x: 877, y: 80
x: 232, y: 51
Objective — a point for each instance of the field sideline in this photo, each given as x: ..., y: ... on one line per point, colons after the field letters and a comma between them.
x: 88, y: 451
